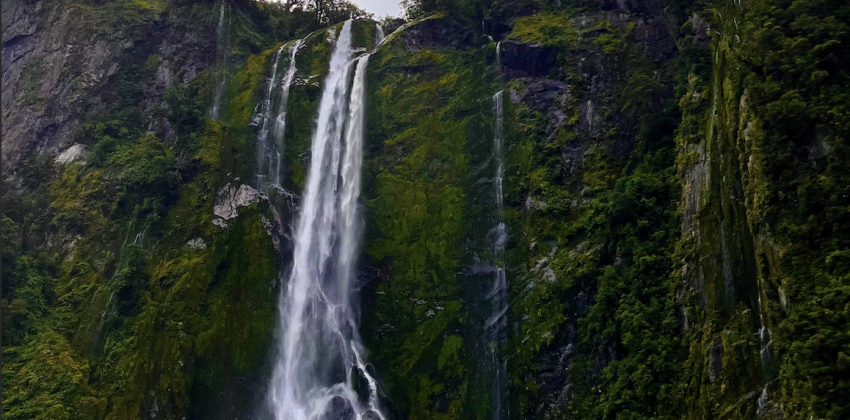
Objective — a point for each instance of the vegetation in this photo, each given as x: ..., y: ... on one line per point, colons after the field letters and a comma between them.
x: 678, y: 212
x: 418, y: 160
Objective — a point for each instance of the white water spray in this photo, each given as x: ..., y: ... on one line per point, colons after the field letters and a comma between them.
x: 321, y: 358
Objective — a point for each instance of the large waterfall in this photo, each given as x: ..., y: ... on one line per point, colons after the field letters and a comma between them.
x: 319, y: 367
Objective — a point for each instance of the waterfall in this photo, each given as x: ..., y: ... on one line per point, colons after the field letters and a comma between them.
x: 497, y: 322
x: 765, y: 355
x: 280, y: 121
x: 266, y: 153
x: 270, y: 154
x: 221, y: 46
x: 321, y: 359
x: 380, y: 37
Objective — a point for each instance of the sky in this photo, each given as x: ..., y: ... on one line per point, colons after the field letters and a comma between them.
x: 380, y: 8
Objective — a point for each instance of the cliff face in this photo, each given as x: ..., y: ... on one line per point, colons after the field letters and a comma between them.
x: 763, y: 238
x: 65, y: 63
x: 674, y: 195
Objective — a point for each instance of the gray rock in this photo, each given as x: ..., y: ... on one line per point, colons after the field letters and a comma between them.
x: 74, y: 153
x: 546, y: 273
x: 197, y: 243
x: 231, y: 197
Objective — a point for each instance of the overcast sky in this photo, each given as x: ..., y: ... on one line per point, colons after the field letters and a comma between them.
x: 380, y: 8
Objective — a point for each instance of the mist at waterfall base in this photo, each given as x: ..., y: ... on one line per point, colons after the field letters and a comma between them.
x: 319, y: 366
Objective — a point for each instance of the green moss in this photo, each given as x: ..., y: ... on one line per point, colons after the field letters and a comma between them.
x: 50, y: 384
x: 423, y: 109
x: 547, y: 29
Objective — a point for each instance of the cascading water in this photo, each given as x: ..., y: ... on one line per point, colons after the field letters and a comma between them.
x: 270, y: 153
x: 320, y: 363
x: 221, y: 52
x: 497, y: 322
x: 765, y: 355
x: 380, y: 37
x: 266, y: 155
x: 280, y: 121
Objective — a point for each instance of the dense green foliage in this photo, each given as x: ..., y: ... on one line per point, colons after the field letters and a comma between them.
x: 794, y: 79
x: 598, y: 249
x: 679, y: 220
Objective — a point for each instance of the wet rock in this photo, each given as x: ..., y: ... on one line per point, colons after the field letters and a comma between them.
x: 338, y: 408
x: 370, y: 415
x: 480, y: 267
x: 715, y: 360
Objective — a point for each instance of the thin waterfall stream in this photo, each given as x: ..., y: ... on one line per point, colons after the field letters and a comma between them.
x: 495, y: 328
x: 222, y: 44
x: 266, y: 154
x: 280, y: 121
x: 320, y: 363
x: 270, y: 153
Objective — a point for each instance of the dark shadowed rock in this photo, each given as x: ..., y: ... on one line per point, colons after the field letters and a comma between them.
x: 338, y: 408
x: 370, y: 415
x: 523, y: 60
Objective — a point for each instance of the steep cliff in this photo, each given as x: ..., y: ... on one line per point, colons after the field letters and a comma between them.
x: 669, y: 210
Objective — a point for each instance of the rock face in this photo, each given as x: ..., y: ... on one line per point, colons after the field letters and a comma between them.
x: 231, y: 197
x: 580, y: 89
x: 64, y: 63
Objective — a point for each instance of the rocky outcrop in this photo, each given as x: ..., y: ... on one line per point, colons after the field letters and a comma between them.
x: 231, y: 197
x: 521, y: 59
x: 75, y: 153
